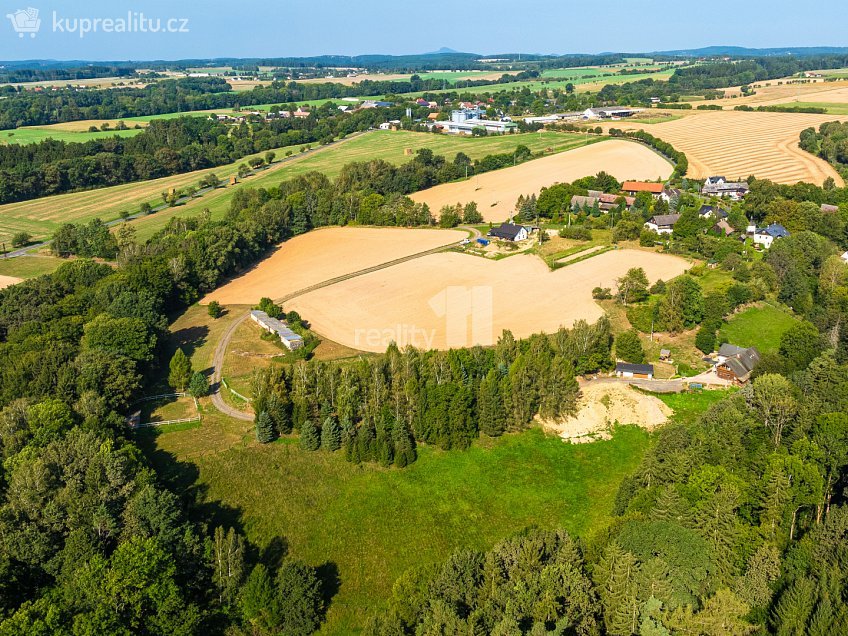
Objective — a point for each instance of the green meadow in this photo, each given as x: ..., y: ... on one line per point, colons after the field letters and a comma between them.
x: 761, y: 327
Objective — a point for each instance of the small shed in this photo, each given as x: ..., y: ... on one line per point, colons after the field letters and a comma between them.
x: 628, y: 370
x: 665, y: 354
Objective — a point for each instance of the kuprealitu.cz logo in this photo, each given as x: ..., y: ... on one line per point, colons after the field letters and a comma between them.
x: 28, y: 22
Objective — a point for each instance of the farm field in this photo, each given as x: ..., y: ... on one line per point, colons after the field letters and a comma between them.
x: 496, y: 192
x: 42, y: 217
x: 774, y: 92
x: 738, y: 144
x: 519, y: 293
x: 324, y: 254
x: 386, y: 145
x: 82, y: 125
x: 761, y: 327
x: 368, y: 525
x: 33, y: 135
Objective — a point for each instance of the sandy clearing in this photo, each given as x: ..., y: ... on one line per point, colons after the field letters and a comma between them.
x: 324, y: 254
x: 8, y: 281
x: 601, y: 405
x: 496, y: 192
x: 739, y: 144
x: 426, y: 302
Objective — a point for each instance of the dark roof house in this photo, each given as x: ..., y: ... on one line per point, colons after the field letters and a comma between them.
x: 509, y: 232
x: 626, y: 369
x: 738, y: 362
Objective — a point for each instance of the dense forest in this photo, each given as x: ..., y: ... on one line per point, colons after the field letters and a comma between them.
x: 52, y: 74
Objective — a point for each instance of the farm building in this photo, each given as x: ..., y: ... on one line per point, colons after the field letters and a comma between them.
x: 509, y: 232
x: 767, y: 235
x: 736, y: 363
x: 601, y: 200
x: 467, y: 126
x: 612, y: 112
x: 721, y: 187
x: 723, y: 228
x: 627, y: 370
x: 634, y: 187
x: 662, y: 223
x: 289, y: 338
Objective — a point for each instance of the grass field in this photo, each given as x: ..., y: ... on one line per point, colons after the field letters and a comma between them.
x: 36, y: 134
x: 386, y: 145
x: 29, y: 266
x: 832, y: 108
x: 370, y: 524
x: 760, y: 327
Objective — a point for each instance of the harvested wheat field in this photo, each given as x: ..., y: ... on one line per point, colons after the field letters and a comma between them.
x: 456, y: 300
x: 8, y: 281
x: 738, y: 144
x: 496, y: 192
x: 771, y: 93
x: 602, y: 405
x: 324, y: 254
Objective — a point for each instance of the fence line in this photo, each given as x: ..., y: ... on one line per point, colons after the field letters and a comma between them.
x: 153, y: 424
x: 150, y: 398
x: 233, y: 391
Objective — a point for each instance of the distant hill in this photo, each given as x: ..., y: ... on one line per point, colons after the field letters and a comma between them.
x: 741, y: 51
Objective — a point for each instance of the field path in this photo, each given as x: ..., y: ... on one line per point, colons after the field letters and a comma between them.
x: 224, y: 342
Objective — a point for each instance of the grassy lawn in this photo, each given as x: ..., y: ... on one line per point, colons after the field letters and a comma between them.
x: 689, y: 406
x: 29, y: 266
x: 37, y: 134
x: 166, y: 409
x: 760, y: 327
x: 371, y: 524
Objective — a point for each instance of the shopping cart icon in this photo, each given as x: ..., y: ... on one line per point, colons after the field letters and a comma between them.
x: 25, y: 21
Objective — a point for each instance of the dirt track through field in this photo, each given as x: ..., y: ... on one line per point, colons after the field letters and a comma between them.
x: 327, y: 254
x: 456, y: 300
x: 496, y: 192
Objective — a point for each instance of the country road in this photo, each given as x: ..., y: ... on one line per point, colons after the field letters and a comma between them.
x: 224, y: 342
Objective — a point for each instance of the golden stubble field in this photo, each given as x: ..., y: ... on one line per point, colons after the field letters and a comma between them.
x: 496, y: 192
x: 738, y: 144
x: 456, y: 300
x: 325, y: 254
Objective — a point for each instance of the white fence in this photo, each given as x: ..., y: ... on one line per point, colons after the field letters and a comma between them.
x: 134, y: 420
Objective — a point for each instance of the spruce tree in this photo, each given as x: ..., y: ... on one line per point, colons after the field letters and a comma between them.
x: 491, y: 415
x: 310, y: 438
x: 179, y: 371
x: 331, y: 434
x: 265, y: 428
x: 199, y: 385
x: 404, y: 446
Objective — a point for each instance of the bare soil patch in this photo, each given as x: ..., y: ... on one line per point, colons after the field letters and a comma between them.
x: 325, y: 254
x: 8, y: 281
x: 602, y: 405
x: 496, y: 192
x: 456, y: 300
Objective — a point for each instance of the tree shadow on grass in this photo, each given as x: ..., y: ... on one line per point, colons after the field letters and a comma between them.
x: 189, y: 339
x: 331, y: 582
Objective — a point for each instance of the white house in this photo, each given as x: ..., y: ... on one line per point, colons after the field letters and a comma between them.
x: 662, y: 223
x: 767, y: 235
x: 510, y: 232
x: 627, y: 370
x: 844, y: 257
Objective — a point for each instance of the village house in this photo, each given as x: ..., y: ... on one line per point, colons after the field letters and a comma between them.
x: 723, y: 228
x: 289, y: 338
x: 721, y: 187
x: 640, y: 371
x: 509, y: 232
x: 662, y: 223
x: 670, y: 194
x: 764, y: 237
x: 634, y: 187
x: 844, y: 257
x: 736, y: 363
x: 600, y: 200
x: 711, y: 211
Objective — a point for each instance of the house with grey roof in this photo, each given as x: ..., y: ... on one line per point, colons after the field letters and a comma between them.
x: 736, y: 363
x: 662, y: 223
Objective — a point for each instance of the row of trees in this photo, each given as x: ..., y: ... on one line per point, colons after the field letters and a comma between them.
x: 377, y: 409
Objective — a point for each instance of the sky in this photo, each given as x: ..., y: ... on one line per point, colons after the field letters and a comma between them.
x: 277, y: 28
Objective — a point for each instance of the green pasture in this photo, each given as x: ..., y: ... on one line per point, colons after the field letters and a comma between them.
x: 761, y: 327
x: 33, y: 135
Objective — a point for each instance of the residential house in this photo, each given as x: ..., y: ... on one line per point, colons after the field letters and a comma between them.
x: 627, y: 370
x: 289, y: 338
x: 662, y: 223
x: 844, y: 257
x: 600, y: 200
x: 634, y: 187
x: 767, y: 235
x: 723, y: 228
x: 721, y: 187
x: 736, y: 363
x: 670, y: 194
x: 509, y: 232
x: 711, y: 211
